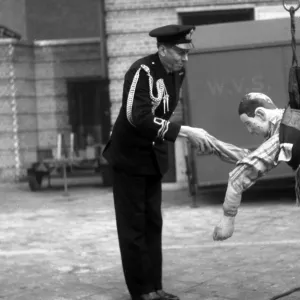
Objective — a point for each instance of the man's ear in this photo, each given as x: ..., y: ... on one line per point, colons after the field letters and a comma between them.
x: 162, y: 50
x: 260, y: 113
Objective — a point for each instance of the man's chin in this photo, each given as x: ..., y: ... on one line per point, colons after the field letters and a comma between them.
x: 178, y: 68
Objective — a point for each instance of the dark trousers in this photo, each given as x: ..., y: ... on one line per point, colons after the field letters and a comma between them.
x: 139, y: 224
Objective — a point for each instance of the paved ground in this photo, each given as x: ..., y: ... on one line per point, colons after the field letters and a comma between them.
x: 59, y: 248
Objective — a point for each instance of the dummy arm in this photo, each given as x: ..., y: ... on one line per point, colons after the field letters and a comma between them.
x: 252, y: 167
x: 204, y: 143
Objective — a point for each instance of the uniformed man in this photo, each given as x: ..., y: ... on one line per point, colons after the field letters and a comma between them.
x: 138, y: 153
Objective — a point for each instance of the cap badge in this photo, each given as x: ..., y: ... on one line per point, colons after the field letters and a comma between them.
x: 189, y: 35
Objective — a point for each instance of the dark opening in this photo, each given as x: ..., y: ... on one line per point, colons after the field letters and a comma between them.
x: 216, y: 16
x: 89, y: 111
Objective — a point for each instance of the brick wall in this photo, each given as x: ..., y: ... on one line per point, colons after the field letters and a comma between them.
x: 34, y: 79
x: 23, y: 63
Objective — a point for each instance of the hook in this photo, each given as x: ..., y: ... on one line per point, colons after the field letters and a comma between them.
x: 292, y: 7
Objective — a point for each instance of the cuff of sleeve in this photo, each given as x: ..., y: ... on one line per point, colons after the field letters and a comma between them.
x: 232, y: 201
x: 172, y: 132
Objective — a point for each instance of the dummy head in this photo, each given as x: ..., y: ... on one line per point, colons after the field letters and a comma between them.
x: 256, y: 111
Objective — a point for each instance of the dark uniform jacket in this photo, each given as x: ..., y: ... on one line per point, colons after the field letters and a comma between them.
x: 138, y: 143
x: 290, y: 133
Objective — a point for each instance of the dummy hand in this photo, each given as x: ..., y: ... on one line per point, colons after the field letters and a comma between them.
x: 197, y: 137
x: 224, y: 229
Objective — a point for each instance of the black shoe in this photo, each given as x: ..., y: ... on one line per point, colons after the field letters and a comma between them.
x: 150, y: 296
x: 166, y: 296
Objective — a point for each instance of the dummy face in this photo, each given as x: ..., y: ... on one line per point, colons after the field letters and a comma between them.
x: 173, y: 58
x: 259, y: 124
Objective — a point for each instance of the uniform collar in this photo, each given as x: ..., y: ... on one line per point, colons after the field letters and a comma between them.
x: 160, y: 66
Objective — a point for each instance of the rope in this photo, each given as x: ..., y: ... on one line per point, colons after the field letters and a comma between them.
x: 286, y: 293
x: 293, y: 32
x: 292, y: 11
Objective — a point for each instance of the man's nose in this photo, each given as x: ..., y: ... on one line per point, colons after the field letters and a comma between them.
x: 185, y: 57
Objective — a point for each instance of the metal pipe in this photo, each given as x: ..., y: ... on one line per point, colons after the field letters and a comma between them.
x: 103, y: 48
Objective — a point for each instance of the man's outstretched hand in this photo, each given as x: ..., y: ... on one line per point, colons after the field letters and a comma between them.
x: 197, y: 138
x: 224, y: 229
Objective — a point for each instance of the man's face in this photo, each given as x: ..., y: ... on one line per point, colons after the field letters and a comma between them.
x: 258, y: 125
x: 175, y: 58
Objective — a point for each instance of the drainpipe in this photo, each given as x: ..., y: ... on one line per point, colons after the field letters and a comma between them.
x: 104, y: 64
x: 103, y: 48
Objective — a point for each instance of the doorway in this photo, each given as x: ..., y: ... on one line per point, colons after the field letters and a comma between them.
x: 89, y: 111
